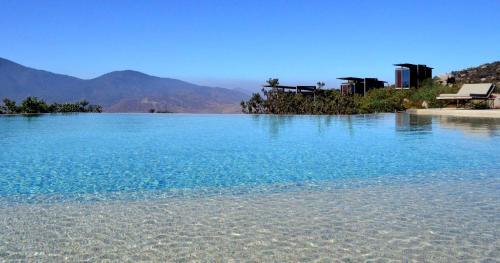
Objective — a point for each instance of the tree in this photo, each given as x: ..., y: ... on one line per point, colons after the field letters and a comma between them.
x: 10, y: 106
x: 319, y: 86
x: 94, y: 108
x: 83, y: 105
x: 255, y: 104
x: 33, y: 105
x: 243, y: 106
x: 273, y: 83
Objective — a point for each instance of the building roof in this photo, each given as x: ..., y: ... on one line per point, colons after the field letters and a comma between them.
x: 361, y: 79
x: 376, y: 79
x: 307, y: 87
x: 409, y: 65
x: 351, y: 78
x: 279, y: 86
x: 302, y: 87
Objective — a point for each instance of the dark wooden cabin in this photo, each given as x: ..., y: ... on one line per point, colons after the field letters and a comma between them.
x: 411, y: 75
x: 359, y: 86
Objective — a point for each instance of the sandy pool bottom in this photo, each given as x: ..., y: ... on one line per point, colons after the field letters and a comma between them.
x: 434, y: 222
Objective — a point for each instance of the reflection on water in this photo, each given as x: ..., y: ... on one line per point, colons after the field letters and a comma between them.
x: 423, y: 124
x: 471, y: 126
x: 413, y: 123
x: 277, y: 125
x: 404, y: 123
x: 274, y: 123
x: 323, y: 124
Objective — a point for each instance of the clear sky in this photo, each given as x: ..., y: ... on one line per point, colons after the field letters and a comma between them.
x: 242, y: 43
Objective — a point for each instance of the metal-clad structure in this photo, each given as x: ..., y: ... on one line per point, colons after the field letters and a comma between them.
x: 354, y: 85
x: 411, y: 75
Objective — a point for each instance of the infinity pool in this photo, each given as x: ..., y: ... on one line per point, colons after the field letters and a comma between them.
x: 180, y: 187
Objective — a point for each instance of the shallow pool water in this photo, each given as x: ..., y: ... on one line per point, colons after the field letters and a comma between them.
x: 66, y: 155
x: 183, y: 187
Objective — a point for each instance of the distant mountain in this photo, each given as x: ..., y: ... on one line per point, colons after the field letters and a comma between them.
x: 118, y: 91
x: 246, y: 91
x: 485, y: 73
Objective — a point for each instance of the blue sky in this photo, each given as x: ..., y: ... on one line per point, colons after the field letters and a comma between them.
x: 242, y: 43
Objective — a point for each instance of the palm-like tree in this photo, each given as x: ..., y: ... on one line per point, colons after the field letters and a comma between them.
x: 319, y: 86
x: 273, y: 83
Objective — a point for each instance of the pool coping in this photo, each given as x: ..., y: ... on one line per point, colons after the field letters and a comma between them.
x: 491, y: 113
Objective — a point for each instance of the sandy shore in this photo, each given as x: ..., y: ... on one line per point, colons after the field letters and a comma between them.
x: 493, y: 113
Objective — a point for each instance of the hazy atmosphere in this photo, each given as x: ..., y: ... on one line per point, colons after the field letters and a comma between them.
x: 235, y: 44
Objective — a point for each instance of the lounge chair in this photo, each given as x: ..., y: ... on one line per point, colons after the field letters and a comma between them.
x: 480, y: 91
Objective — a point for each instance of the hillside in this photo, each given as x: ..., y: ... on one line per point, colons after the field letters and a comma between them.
x: 118, y: 91
x: 484, y: 73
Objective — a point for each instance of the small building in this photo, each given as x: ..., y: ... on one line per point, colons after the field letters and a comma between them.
x: 359, y: 86
x: 411, y: 75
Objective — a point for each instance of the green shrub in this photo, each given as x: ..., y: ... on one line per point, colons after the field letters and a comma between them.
x: 383, y: 100
x: 477, y: 105
x: 428, y: 92
x: 34, y: 105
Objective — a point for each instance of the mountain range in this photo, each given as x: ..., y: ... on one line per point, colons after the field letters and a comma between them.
x: 117, y: 91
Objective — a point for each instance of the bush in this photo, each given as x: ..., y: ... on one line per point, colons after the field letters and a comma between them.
x: 383, y: 100
x: 256, y: 104
x: 497, y: 88
x: 477, y: 105
x: 34, y: 105
x: 10, y: 106
x: 428, y: 92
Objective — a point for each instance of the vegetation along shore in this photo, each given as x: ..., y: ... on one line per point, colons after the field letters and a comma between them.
x: 273, y: 99
x: 33, y: 105
x: 333, y: 102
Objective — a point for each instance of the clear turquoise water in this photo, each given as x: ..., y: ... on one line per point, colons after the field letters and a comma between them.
x: 102, y: 154
x: 232, y: 188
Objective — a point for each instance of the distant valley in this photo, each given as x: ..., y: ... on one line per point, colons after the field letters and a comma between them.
x: 117, y: 91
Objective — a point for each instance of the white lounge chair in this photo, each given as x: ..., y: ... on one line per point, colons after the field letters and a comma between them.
x: 471, y: 92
